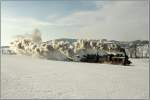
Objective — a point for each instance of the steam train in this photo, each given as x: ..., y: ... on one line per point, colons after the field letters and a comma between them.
x: 110, y: 58
x: 81, y: 51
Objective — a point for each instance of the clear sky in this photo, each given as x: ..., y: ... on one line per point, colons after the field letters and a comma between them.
x: 118, y: 20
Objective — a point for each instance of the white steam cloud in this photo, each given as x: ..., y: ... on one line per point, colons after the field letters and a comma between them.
x: 63, y: 50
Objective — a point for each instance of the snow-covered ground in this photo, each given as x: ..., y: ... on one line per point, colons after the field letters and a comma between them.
x: 27, y: 77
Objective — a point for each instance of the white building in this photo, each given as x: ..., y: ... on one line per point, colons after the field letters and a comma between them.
x: 142, y: 51
x: 6, y: 50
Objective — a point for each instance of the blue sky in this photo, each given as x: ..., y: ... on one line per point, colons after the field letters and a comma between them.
x: 43, y: 9
x: 75, y: 19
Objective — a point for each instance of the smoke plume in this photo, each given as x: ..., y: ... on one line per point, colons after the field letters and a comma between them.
x: 32, y: 45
